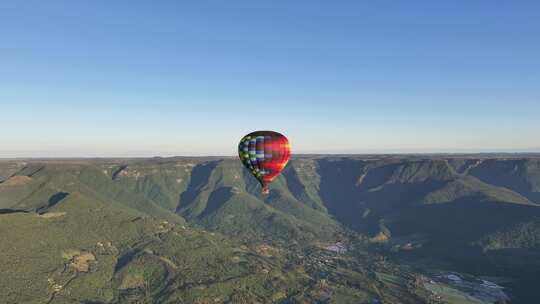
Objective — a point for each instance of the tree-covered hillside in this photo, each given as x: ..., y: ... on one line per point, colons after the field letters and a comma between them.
x: 185, y: 229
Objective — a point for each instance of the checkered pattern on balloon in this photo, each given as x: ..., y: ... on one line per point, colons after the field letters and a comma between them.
x: 264, y: 154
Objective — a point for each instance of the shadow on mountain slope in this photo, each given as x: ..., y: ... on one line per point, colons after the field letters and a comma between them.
x: 461, y: 221
x: 200, y: 178
x: 359, y: 196
x: 298, y: 189
x: 53, y: 200
x: 9, y: 211
x: 521, y: 176
x: 217, y: 199
x: 338, y: 189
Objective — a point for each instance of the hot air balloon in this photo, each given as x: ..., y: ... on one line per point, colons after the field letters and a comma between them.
x: 264, y: 154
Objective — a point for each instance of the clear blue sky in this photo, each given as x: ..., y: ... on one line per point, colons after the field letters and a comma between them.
x: 144, y: 78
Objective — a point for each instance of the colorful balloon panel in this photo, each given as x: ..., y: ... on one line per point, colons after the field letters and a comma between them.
x: 265, y: 154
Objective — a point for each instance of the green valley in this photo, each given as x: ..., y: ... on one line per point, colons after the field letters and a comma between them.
x: 334, y: 229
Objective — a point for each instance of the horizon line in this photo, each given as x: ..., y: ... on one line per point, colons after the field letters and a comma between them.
x: 535, y: 153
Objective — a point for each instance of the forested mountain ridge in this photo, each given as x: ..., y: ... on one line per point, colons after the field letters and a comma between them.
x: 479, y: 206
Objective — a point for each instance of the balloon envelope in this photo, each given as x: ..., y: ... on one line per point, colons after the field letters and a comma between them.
x: 264, y: 154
